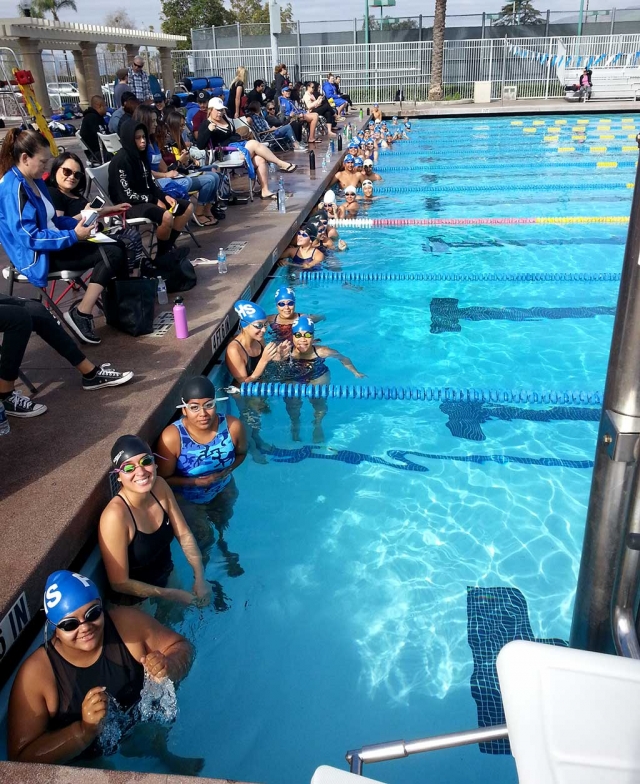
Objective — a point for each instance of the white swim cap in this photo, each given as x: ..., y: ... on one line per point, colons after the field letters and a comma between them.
x: 329, y: 197
x: 350, y: 189
x: 368, y: 162
x: 367, y: 182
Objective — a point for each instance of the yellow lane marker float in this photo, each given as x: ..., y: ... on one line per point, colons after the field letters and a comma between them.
x: 529, y: 130
x: 579, y: 122
x: 607, y: 164
x: 630, y: 184
x: 578, y: 219
x: 597, y: 149
x: 566, y: 149
x: 563, y: 122
x: 538, y: 122
x: 579, y: 138
x: 629, y: 148
x: 607, y: 136
x: 550, y: 138
x: 516, y: 122
x: 631, y: 136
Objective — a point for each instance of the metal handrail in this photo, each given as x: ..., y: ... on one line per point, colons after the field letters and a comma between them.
x: 397, y: 749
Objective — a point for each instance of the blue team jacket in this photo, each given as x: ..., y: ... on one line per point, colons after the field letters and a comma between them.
x: 23, y: 227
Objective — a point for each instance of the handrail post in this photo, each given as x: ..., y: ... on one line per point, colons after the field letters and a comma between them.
x: 604, y: 537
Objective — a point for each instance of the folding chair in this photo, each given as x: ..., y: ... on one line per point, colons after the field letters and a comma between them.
x: 91, y: 158
x: 110, y: 142
x: 228, y: 164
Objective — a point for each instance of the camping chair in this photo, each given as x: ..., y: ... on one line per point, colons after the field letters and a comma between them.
x: 229, y: 164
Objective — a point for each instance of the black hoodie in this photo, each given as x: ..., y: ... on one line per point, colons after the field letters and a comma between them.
x: 130, y: 178
x: 92, y: 124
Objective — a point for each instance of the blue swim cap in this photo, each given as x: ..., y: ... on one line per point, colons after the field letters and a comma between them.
x: 65, y: 592
x: 349, y: 158
x: 248, y: 312
x: 358, y: 161
x: 284, y: 293
x: 355, y: 142
x: 303, y: 324
x: 395, y: 117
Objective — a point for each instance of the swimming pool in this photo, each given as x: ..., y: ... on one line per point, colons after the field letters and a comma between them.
x: 351, y: 618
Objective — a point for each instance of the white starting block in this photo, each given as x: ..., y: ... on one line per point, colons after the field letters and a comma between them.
x: 328, y: 775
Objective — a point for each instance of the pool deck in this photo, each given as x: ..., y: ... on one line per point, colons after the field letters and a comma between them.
x: 53, y: 468
x: 59, y: 774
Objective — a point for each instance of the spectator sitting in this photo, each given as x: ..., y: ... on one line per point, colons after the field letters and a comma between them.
x: 160, y: 104
x: 237, y: 100
x: 122, y: 75
x: 316, y: 102
x: 93, y: 124
x: 292, y: 112
x: 257, y: 94
x: 18, y: 319
x: 197, y: 118
x: 38, y: 241
x: 329, y: 90
x: 130, y: 180
x: 261, y: 126
x: 67, y: 185
x: 139, y: 81
x: 129, y: 103
x: 347, y: 98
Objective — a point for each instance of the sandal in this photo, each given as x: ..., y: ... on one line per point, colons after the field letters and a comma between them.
x: 290, y: 168
x: 204, y: 220
x: 271, y: 196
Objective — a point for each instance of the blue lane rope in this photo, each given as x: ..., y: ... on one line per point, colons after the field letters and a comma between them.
x: 485, y: 277
x: 382, y: 187
x: 437, y: 394
x: 590, y: 164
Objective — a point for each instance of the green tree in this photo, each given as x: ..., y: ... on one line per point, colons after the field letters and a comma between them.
x: 179, y: 16
x: 256, y: 12
x: 42, y: 7
x: 120, y: 18
x: 391, y: 23
x: 518, y: 12
x: 437, y: 52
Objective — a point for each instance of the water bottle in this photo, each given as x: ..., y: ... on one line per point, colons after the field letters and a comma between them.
x: 324, y: 163
x: 5, y: 428
x: 180, y: 319
x: 312, y: 160
x: 282, y: 205
x: 222, y: 261
x: 272, y: 170
x: 368, y: 111
x: 162, y: 292
x: 332, y: 146
x: 361, y: 114
x: 339, y: 142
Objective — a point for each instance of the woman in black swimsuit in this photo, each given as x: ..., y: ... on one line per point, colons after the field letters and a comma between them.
x: 137, y: 528
x: 62, y: 691
x: 305, y: 254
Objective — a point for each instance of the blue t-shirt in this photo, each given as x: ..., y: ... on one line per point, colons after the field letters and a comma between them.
x: 154, y: 155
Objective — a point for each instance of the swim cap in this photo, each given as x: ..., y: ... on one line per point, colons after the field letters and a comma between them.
x: 368, y: 162
x: 329, y: 197
x: 311, y: 229
x: 248, y: 312
x: 377, y: 122
x: 367, y: 182
x: 350, y: 189
x: 394, y: 117
x: 355, y: 142
x: 303, y: 324
x: 358, y: 161
x: 321, y: 215
x: 375, y: 104
x: 349, y: 158
x: 65, y: 592
x: 197, y: 388
x: 283, y: 293
x: 127, y: 447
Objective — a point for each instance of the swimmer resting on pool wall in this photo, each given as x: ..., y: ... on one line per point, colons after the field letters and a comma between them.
x: 61, y: 694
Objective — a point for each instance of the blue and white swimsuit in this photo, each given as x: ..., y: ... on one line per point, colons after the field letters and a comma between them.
x: 202, y: 459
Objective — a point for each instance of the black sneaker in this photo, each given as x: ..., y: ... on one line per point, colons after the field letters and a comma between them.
x: 106, y: 376
x: 82, y: 326
x: 218, y: 213
x: 18, y: 405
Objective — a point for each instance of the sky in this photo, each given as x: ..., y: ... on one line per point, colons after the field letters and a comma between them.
x: 147, y: 12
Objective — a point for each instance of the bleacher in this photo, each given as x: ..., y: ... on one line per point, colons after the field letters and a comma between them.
x: 607, y: 83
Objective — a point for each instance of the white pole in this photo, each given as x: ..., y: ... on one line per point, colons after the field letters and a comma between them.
x: 276, y: 28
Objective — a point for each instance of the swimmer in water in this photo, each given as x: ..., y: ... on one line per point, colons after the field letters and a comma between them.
x: 330, y: 206
x: 367, y: 192
x: 137, y: 527
x: 369, y: 173
x: 201, y: 450
x: 326, y: 234
x: 349, y: 175
x: 350, y: 208
x: 307, y: 366
x: 281, y: 322
x: 305, y: 254
x: 60, y: 698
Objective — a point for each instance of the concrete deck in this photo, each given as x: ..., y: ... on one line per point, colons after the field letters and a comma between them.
x: 60, y: 774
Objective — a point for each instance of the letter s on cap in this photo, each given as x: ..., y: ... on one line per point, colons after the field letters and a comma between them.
x: 52, y: 596
x: 84, y: 580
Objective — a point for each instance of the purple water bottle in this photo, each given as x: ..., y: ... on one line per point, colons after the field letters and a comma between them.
x: 180, y: 318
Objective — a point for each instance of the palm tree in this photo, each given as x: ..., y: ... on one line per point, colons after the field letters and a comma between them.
x: 42, y: 7
x: 437, y: 57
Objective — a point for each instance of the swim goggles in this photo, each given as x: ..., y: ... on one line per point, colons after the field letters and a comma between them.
x: 303, y: 334
x: 145, y: 461
x: 195, y: 408
x: 286, y: 303
x: 302, y: 234
x: 259, y: 325
x: 71, y: 624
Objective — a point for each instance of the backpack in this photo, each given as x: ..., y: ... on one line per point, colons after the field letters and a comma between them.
x: 133, y: 243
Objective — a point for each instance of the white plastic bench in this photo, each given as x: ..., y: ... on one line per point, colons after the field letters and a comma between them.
x: 608, y: 83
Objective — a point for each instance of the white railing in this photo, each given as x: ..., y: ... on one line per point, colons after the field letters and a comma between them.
x: 375, y: 72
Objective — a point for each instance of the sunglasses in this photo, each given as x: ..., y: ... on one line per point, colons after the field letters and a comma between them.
x: 303, y: 334
x: 259, y: 326
x: 145, y: 461
x: 286, y: 304
x: 71, y: 173
x: 271, y: 108
x: 71, y: 624
x: 350, y: 195
x: 138, y: 65
x: 195, y: 408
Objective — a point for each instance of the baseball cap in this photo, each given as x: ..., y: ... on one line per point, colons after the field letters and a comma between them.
x: 285, y: 89
x: 159, y: 97
x: 203, y: 96
x: 217, y: 103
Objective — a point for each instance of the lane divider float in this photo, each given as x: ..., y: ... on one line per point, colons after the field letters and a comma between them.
x: 484, y: 277
x: 372, y: 223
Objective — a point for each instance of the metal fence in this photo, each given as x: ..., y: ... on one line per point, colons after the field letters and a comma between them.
x: 377, y: 71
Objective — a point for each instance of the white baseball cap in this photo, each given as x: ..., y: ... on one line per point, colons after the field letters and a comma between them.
x: 329, y: 197
x: 217, y: 103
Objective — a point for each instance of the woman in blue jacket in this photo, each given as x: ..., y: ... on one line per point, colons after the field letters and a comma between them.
x: 37, y: 240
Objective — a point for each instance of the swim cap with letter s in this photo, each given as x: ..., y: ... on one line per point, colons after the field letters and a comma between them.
x: 198, y: 388
x: 65, y: 592
x: 349, y: 158
x: 127, y: 447
x: 303, y: 324
x: 285, y: 293
x: 357, y: 161
x: 248, y: 312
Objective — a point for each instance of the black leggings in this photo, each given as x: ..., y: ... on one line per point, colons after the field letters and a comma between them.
x: 18, y: 319
x: 84, y: 256
x: 347, y: 98
x: 325, y: 110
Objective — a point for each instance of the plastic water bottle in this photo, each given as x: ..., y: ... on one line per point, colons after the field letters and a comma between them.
x: 272, y: 170
x: 332, y: 146
x: 180, y: 319
x: 163, y: 299
x: 282, y: 198
x: 361, y: 114
x: 5, y: 427
x: 324, y: 163
x: 222, y: 262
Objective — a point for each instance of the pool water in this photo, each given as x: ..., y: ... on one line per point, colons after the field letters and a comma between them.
x: 347, y: 622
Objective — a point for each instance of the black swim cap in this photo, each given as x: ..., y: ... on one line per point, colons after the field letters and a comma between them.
x: 311, y: 229
x: 322, y: 214
x: 127, y: 447
x: 198, y: 388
